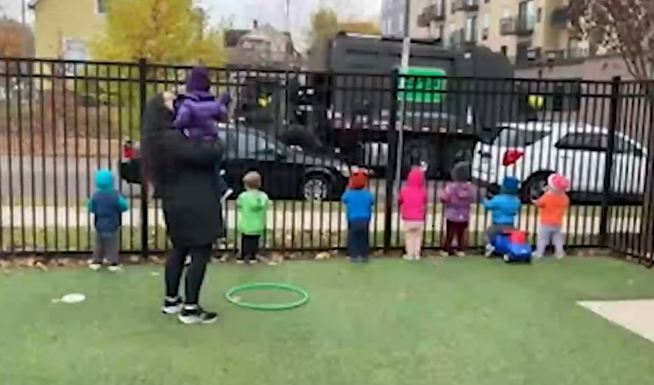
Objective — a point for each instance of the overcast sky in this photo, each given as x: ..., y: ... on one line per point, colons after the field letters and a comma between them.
x: 267, y: 11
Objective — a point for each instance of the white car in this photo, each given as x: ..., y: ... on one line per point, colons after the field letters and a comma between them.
x: 531, y: 151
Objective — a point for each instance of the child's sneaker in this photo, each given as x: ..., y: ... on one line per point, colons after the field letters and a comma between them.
x: 171, y: 305
x: 417, y: 257
x: 559, y: 256
x: 194, y: 314
x: 489, y: 251
x: 444, y: 254
x: 407, y: 257
x: 114, y: 268
x: 253, y: 261
x: 240, y: 261
x: 460, y: 254
x: 95, y: 266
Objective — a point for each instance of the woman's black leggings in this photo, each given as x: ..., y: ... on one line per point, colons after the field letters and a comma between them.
x: 200, y: 256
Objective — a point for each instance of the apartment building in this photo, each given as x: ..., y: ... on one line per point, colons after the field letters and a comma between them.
x: 525, y: 30
x: 392, y: 17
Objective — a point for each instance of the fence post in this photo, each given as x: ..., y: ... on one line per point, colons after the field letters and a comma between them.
x: 392, y: 135
x: 614, y: 114
x: 143, y: 95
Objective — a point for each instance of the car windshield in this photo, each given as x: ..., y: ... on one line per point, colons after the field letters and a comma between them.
x: 518, y: 137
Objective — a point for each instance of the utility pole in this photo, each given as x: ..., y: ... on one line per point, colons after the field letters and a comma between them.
x: 287, y: 15
x: 404, y: 65
x: 23, y: 11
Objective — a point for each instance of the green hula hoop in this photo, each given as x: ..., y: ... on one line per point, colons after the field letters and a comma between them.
x: 304, y: 296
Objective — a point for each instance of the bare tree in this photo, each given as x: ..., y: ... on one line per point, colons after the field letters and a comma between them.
x: 622, y: 26
x: 626, y: 27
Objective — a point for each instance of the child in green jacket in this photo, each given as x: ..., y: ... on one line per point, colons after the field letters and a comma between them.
x: 252, y: 205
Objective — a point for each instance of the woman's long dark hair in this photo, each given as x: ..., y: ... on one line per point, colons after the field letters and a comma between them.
x: 156, y: 118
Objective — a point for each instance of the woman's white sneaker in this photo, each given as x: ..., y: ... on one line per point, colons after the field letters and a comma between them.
x: 171, y: 305
x: 194, y: 314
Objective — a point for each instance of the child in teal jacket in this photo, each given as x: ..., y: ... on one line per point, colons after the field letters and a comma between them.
x: 252, y: 206
x: 107, y: 206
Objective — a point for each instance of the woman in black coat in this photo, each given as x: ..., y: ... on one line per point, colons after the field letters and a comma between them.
x: 183, y: 173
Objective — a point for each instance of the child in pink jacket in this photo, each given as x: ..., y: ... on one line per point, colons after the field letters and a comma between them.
x: 413, y: 209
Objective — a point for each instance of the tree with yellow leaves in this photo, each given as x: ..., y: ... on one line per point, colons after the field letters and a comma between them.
x: 161, y: 31
x: 325, y: 25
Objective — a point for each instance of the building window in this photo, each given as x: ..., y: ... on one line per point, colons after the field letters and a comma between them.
x: 504, y: 50
x: 74, y: 50
x: 452, y: 6
x: 101, y: 6
x: 527, y: 13
x: 485, y: 25
x: 471, y: 29
x: 539, y: 14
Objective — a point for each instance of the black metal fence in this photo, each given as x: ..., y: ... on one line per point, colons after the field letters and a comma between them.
x: 62, y: 120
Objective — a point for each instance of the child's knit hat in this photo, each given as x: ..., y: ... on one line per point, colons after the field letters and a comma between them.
x: 358, y: 180
x: 510, y: 185
x: 558, y: 182
x: 461, y: 172
x: 198, y: 80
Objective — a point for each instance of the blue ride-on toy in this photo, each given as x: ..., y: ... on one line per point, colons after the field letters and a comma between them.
x: 513, y: 247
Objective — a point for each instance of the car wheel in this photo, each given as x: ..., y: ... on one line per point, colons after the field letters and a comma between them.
x: 316, y: 188
x: 534, y: 187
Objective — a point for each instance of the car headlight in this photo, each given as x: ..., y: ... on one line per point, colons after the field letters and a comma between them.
x: 347, y: 170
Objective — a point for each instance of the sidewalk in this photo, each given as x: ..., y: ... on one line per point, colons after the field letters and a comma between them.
x: 50, y: 216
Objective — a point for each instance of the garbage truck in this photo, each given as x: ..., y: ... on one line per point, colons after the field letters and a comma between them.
x: 434, y: 111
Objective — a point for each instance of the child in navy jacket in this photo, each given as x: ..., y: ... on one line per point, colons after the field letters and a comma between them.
x: 107, y: 206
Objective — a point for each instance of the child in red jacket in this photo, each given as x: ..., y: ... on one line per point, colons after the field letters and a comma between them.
x: 413, y: 209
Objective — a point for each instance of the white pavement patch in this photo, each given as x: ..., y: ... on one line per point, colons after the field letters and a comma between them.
x: 280, y: 218
x: 636, y: 316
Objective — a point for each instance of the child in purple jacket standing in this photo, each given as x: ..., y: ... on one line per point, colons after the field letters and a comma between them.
x: 196, y: 113
x: 458, y: 197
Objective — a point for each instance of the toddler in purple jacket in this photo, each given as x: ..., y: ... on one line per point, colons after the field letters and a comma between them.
x: 196, y: 113
x: 458, y: 198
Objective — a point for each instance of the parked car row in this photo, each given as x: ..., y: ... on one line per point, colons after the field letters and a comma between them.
x: 530, y: 151
x: 288, y: 172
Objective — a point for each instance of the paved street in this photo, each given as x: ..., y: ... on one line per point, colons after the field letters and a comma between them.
x: 56, y: 181
x: 48, y: 180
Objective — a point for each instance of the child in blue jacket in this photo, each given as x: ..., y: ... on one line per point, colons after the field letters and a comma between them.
x: 107, y: 206
x: 359, y: 204
x: 503, y: 207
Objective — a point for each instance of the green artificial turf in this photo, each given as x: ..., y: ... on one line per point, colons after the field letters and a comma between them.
x: 455, y: 321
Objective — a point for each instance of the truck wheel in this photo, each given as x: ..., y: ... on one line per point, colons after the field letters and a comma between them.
x: 419, y: 153
x: 534, y: 187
